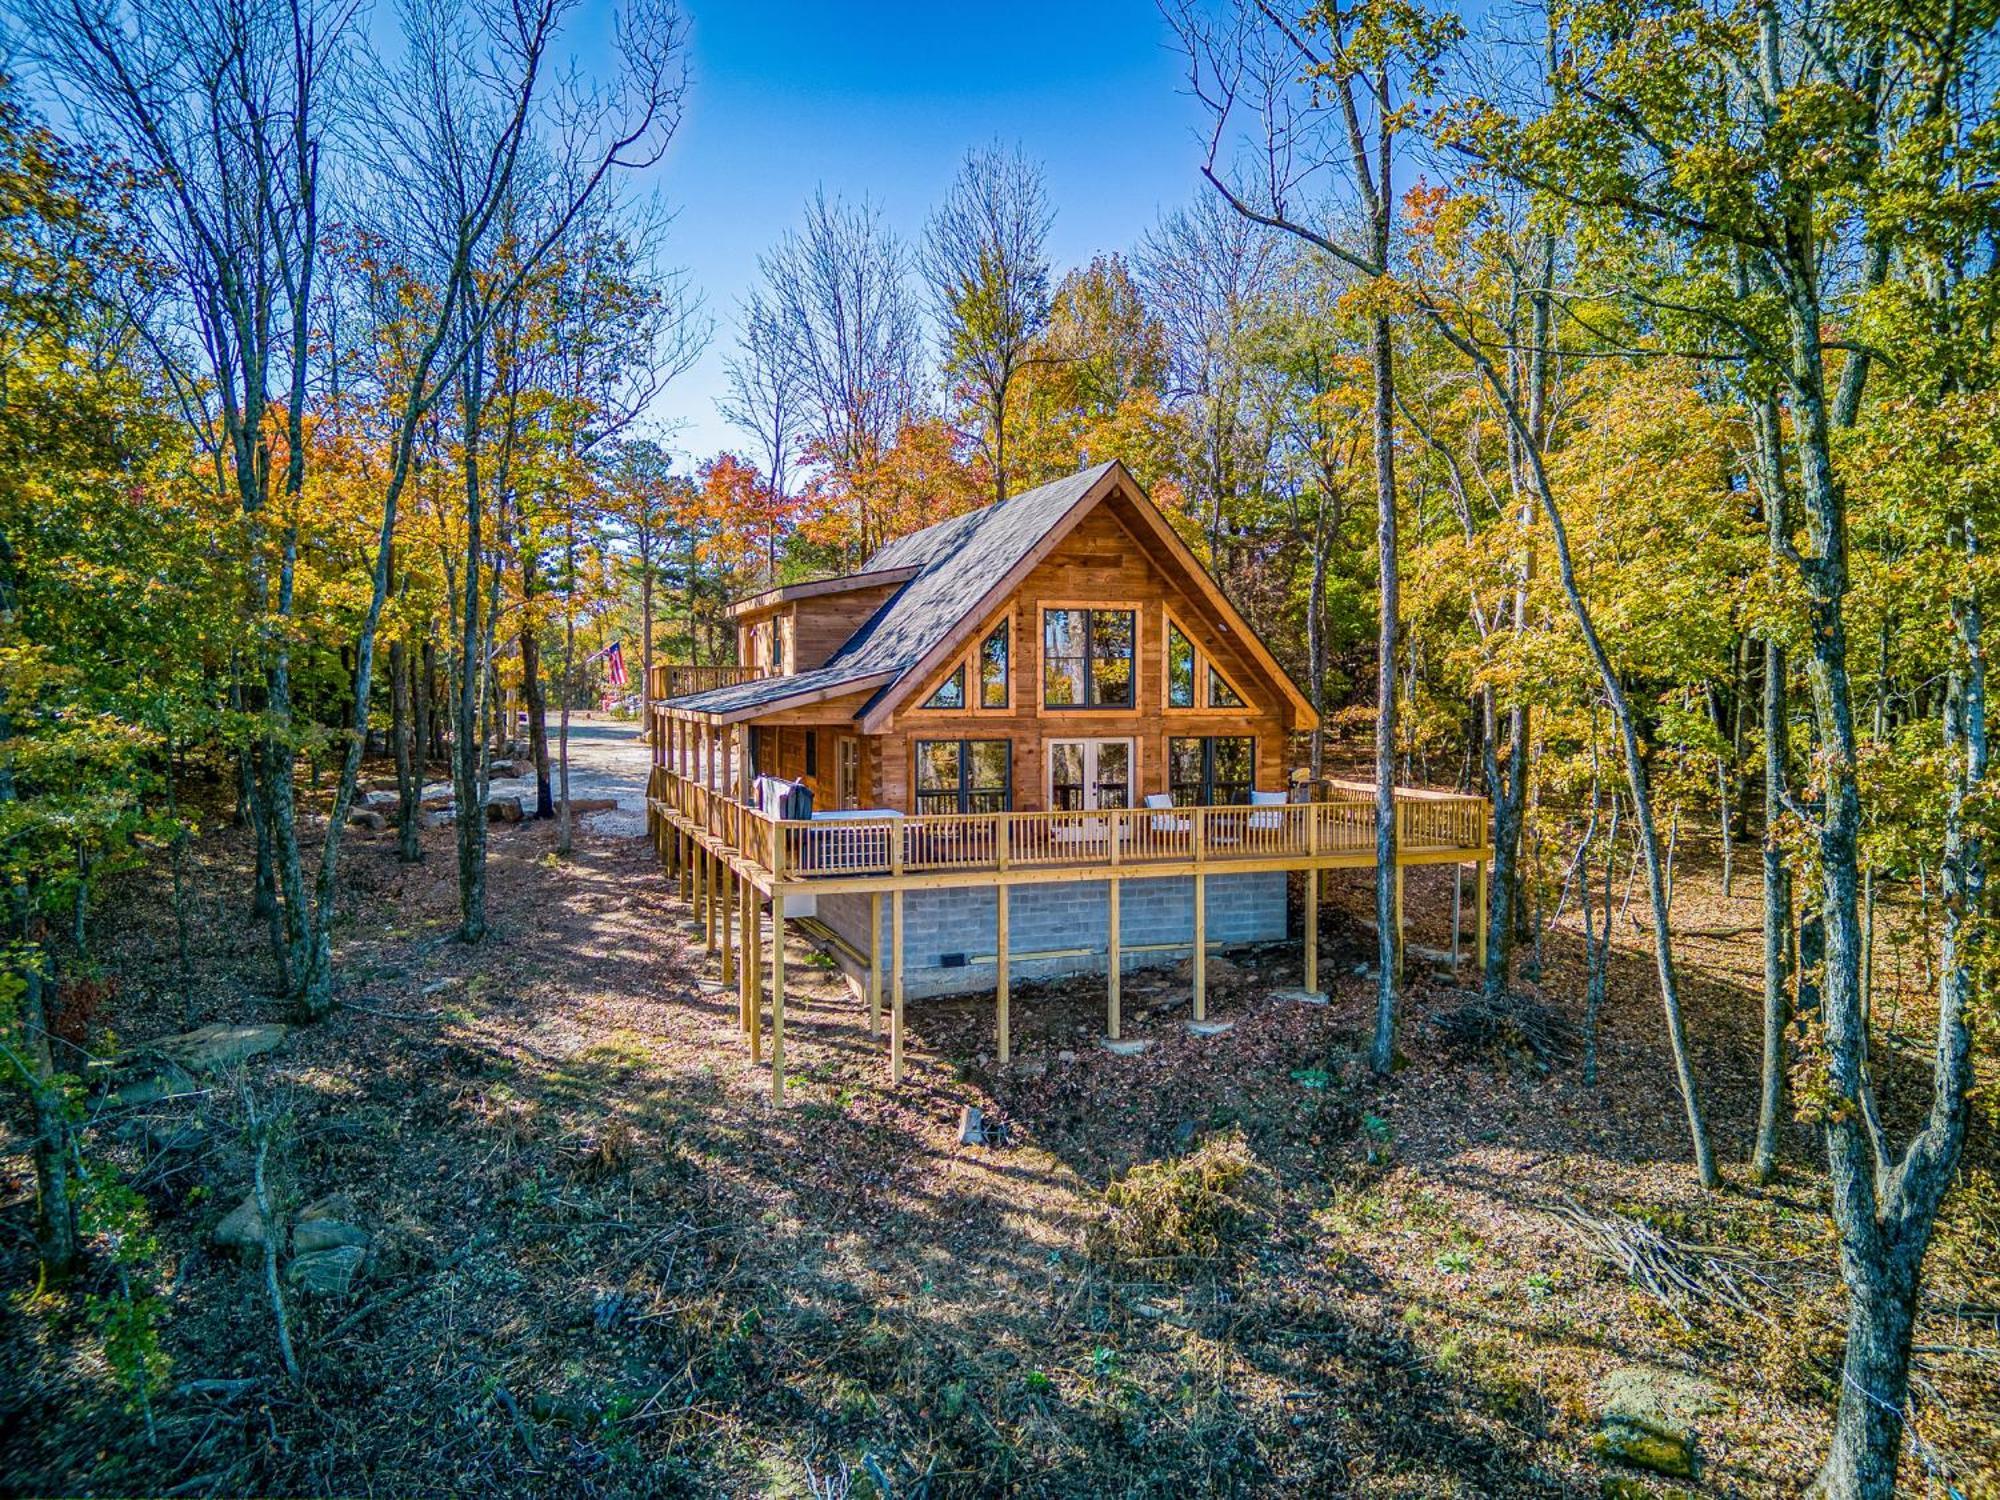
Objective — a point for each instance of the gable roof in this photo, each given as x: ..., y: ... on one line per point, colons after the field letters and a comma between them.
x: 958, y: 568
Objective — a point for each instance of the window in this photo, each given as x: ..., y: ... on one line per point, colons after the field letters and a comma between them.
x: 1218, y: 769
x: 964, y: 776
x: 951, y: 692
x: 1180, y: 668
x: 1193, y: 679
x: 777, y: 646
x: 993, y: 668
x: 1087, y: 657
x: 812, y: 752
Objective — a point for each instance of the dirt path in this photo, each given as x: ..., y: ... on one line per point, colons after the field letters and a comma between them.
x: 607, y: 758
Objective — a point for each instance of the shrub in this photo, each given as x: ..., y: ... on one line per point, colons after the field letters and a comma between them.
x: 1182, y: 1212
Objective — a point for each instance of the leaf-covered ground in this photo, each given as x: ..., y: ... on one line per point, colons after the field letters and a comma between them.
x: 603, y: 1264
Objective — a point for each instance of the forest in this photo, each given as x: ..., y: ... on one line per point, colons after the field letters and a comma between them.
x: 1595, y: 405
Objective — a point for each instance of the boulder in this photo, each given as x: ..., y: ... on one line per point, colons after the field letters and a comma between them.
x: 382, y: 798
x: 578, y: 806
x: 1299, y: 997
x: 174, y: 1137
x: 326, y: 1273
x: 312, y: 1235
x: 242, y: 1228
x: 219, y: 1046
x: 441, y: 817
x: 507, y: 770
x: 503, y: 809
x: 368, y: 818
x: 1132, y: 1047
x: 1647, y: 1417
x: 169, y: 1081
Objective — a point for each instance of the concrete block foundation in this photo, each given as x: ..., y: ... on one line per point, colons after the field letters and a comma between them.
x: 1058, y: 930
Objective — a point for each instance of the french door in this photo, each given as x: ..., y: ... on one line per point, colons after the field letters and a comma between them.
x: 1086, y: 775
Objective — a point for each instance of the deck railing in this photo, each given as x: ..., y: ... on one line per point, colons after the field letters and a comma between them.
x: 680, y: 681
x: 891, y: 844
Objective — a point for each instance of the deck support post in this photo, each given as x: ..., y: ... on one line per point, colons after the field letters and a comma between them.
x: 1457, y: 906
x: 1000, y: 975
x: 1001, y: 998
x: 684, y: 858
x: 874, y: 965
x: 896, y: 985
x: 1479, y: 900
x: 1114, y: 964
x: 746, y: 968
x: 777, y: 994
x: 753, y: 984
x: 1312, y: 929
x: 728, y: 945
x: 711, y: 866
x: 1200, y: 946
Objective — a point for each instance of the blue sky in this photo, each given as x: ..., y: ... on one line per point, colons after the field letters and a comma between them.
x: 882, y: 100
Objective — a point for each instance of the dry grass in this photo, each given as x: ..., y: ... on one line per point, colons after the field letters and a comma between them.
x: 1183, y: 1213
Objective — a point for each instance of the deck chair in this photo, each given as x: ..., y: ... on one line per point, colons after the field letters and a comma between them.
x: 1161, y: 802
x: 1266, y: 822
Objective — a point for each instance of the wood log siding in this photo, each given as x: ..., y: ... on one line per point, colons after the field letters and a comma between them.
x: 1100, y: 565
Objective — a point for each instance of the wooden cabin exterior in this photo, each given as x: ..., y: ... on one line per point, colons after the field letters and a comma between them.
x: 1036, y: 729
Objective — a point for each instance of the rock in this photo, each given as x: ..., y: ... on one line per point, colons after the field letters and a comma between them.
x: 382, y: 799
x: 578, y: 806
x: 1648, y: 1416
x: 971, y: 1126
x: 503, y: 809
x: 507, y: 770
x: 1065, y: 1057
x: 174, y: 1137
x: 218, y: 1046
x: 441, y: 817
x: 326, y: 1273
x: 1030, y: 1067
x: 438, y: 802
x: 170, y: 1081
x: 1134, y: 1047
x: 1210, y: 1028
x: 242, y: 1228
x: 332, y: 1206
x: 368, y: 818
x: 309, y: 1236
x: 1299, y: 997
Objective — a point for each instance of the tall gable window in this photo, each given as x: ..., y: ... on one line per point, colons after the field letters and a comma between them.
x: 1180, y: 668
x: 1194, y: 681
x: 950, y: 692
x: 1087, y: 658
x: 993, y: 668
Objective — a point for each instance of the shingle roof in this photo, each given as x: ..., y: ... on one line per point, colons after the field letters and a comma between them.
x: 959, y: 560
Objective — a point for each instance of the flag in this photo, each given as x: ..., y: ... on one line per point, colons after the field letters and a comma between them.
x: 614, y: 663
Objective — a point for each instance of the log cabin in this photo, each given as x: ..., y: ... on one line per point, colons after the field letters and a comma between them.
x: 1031, y: 741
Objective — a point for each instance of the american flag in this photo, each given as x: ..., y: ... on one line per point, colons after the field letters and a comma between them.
x: 614, y: 664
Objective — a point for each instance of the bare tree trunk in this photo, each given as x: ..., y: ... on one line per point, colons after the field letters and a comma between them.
x: 409, y: 780
x: 533, y: 691
x: 1388, y: 948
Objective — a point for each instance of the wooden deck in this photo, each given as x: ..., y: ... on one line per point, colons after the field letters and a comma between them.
x: 728, y: 856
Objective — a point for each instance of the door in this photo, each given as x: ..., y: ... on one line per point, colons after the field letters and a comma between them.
x: 847, y: 772
x: 1085, y: 775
